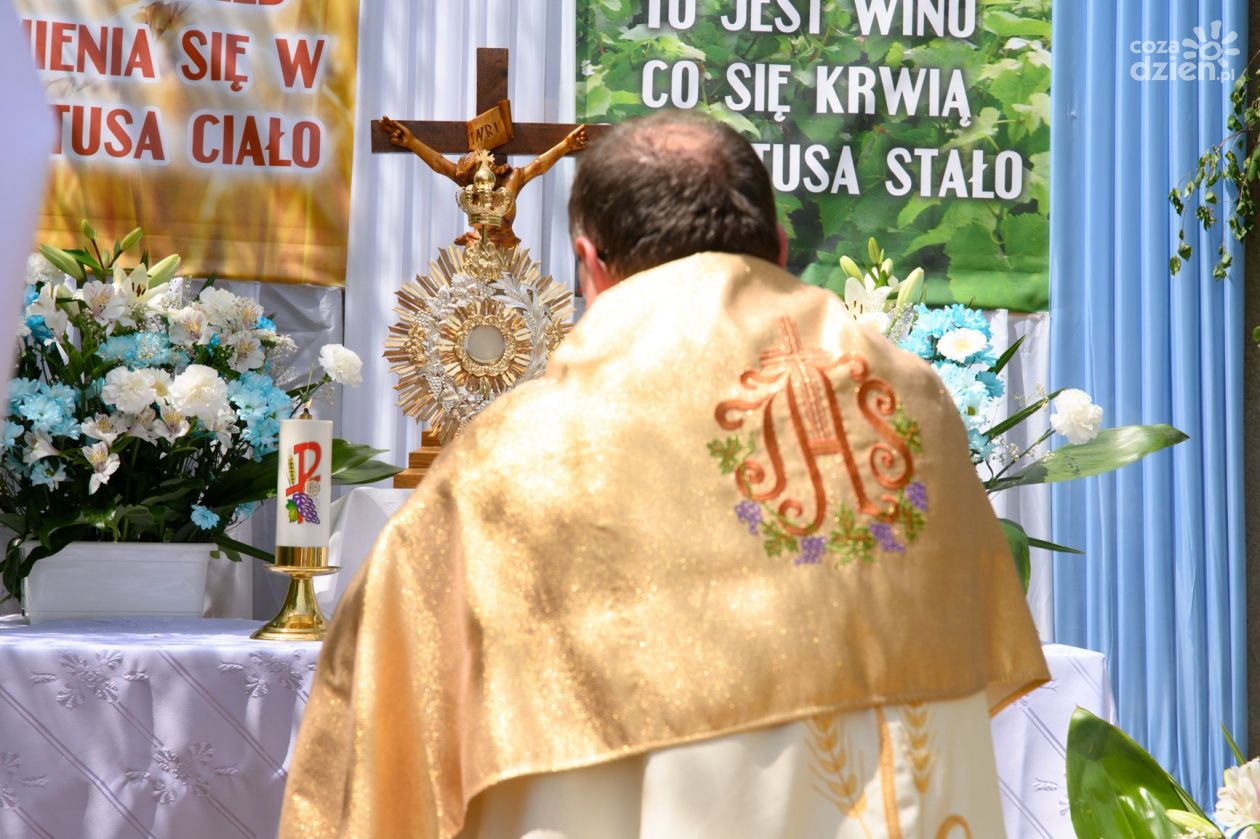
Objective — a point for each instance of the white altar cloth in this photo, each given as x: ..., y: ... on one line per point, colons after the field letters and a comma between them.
x: 1030, y: 738
x: 184, y: 728
x: 146, y: 728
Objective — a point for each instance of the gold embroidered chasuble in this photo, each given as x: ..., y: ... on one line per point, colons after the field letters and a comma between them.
x: 724, y: 507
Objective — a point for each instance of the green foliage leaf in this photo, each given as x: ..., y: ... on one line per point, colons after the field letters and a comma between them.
x: 1018, y: 541
x: 1021, y: 415
x: 1051, y: 546
x: 233, y: 548
x: 351, y: 465
x: 1008, y: 23
x: 1239, y: 757
x: 1112, y: 449
x: 1115, y: 788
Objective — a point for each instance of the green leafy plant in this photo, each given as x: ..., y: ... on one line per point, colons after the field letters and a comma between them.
x: 1115, y: 788
x: 139, y: 415
x: 1223, y: 181
x: 985, y: 252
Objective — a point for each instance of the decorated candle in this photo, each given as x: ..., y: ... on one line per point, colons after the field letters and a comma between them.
x: 304, y: 485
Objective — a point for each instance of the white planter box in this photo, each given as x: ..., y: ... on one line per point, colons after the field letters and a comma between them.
x: 104, y: 579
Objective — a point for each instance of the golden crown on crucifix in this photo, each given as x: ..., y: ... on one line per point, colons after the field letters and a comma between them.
x: 485, y: 204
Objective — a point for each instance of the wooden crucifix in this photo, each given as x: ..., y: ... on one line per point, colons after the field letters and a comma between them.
x: 431, y: 140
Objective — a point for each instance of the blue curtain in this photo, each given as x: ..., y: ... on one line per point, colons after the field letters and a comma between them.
x: 1161, y: 590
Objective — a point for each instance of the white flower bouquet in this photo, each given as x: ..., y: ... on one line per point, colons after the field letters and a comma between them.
x: 140, y: 414
x: 957, y: 342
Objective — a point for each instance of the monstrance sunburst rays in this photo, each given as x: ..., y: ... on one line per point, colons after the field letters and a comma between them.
x: 462, y: 341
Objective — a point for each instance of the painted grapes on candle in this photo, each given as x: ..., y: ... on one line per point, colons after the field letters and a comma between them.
x: 304, y: 483
x: 141, y: 411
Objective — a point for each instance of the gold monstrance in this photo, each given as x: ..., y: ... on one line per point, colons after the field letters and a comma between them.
x: 484, y: 318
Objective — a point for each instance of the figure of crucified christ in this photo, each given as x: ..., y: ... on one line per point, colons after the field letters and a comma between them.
x: 462, y: 171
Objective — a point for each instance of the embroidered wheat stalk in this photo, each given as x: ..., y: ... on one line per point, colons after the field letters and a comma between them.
x: 919, y: 735
x: 839, y: 783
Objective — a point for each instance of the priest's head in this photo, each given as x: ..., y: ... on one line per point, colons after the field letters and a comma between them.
x: 664, y: 187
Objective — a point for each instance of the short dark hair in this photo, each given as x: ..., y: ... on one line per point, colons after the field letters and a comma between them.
x: 666, y: 186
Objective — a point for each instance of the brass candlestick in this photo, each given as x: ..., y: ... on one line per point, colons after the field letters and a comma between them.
x: 299, y: 618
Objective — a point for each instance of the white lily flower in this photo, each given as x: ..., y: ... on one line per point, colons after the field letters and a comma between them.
x: 172, y: 424
x: 224, y: 428
x: 134, y: 290
x: 1238, y: 801
x: 39, y: 445
x: 867, y: 303
x: 188, y: 327
x: 104, y: 427
x: 48, y: 306
x: 102, y: 302
x: 103, y: 465
x: 144, y: 426
x: 247, y: 351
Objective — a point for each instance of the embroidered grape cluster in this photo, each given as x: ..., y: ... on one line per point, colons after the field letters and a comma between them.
x: 749, y: 512
x: 813, y: 549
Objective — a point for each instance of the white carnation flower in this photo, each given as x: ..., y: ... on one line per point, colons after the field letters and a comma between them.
x: 40, y: 270
x: 1238, y: 802
x: 1077, y: 417
x: 961, y: 344
x: 199, y: 392
x: 131, y: 391
x: 343, y: 366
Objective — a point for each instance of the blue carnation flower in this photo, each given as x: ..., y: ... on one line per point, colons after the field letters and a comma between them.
x: 44, y: 412
x: 120, y: 348
x: 32, y: 294
x: 963, y: 317
x: 153, y: 349
x: 260, y: 405
x: 992, y: 382
x: 43, y: 474
x: 13, y: 432
x: 39, y: 329
x: 204, y: 518
x: 265, y: 323
x: 19, y: 389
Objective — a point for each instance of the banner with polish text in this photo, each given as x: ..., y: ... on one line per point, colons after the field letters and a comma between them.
x: 224, y: 128
x: 922, y: 123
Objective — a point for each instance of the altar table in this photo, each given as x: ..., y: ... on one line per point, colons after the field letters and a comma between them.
x: 165, y: 728
x: 184, y: 729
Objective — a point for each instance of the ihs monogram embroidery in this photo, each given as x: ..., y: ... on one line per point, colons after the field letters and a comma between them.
x: 796, y: 380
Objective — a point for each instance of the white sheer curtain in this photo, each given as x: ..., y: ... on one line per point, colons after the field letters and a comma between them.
x: 417, y: 60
